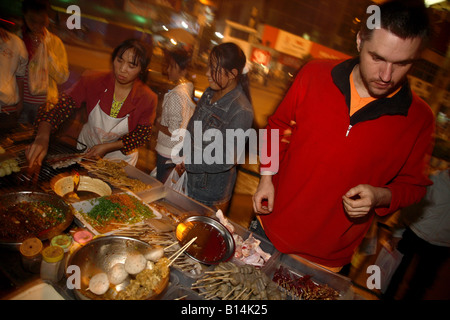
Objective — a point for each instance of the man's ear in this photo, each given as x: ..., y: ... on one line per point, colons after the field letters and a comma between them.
x: 359, y: 41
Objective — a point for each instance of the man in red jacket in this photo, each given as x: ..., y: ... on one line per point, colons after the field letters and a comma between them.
x: 359, y: 145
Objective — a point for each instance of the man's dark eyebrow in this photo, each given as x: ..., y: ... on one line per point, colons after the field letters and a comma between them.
x: 408, y: 61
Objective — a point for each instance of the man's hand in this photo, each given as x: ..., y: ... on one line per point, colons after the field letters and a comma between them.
x: 360, y: 200
x: 286, y: 136
x: 264, y: 192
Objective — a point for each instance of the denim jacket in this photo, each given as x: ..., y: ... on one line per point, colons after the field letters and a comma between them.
x: 211, y: 176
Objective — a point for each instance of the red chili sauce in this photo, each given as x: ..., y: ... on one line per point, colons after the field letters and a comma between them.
x: 210, y: 245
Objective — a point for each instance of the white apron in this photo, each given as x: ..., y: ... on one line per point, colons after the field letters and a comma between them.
x: 102, y: 128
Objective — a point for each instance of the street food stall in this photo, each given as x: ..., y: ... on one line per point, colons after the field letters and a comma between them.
x: 124, y: 235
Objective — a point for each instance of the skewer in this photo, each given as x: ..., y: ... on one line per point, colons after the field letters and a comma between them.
x: 179, y: 252
x: 219, y: 271
x: 182, y: 297
x: 206, y: 285
x: 229, y: 293
x: 170, y: 245
x: 212, y: 294
x: 249, y: 294
x: 212, y: 279
x: 240, y: 294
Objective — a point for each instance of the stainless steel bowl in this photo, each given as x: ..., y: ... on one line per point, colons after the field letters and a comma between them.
x: 100, y: 255
x: 10, y: 199
x: 214, y: 243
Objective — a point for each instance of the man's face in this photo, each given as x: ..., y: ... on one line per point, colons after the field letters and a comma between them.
x: 385, y: 60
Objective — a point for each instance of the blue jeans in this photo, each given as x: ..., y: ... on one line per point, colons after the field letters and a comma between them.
x: 163, y: 169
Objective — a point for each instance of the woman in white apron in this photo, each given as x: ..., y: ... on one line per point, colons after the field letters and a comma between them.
x: 121, y: 109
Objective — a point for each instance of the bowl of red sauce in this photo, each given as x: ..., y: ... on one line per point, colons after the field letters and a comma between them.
x: 214, y: 243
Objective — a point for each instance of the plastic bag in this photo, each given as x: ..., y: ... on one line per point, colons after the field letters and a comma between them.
x: 38, y: 71
x: 388, y: 262
x: 176, y: 182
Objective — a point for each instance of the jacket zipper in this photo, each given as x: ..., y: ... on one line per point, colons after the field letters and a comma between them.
x: 348, y: 130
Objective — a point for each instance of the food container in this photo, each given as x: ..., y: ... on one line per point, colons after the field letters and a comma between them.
x: 83, y: 236
x: 52, y: 265
x: 63, y: 240
x: 298, y: 267
x: 88, y: 187
x: 83, y: 208
x: 214, y: 243
x: 151, y: 194
x: 100, y: 255
x: 9, y: 200
x: 240, y: 258
x: 30, y: 251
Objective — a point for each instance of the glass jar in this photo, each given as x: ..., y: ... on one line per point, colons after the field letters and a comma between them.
x: 52, y: 265
x: 30, y: 251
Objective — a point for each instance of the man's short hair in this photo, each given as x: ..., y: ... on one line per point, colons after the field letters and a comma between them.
x: 405, y: 19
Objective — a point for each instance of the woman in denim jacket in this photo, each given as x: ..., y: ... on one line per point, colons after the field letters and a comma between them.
x: 225, y: 106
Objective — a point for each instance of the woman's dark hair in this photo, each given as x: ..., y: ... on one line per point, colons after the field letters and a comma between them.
x: 229, y: 56
x: 35, y: 6
x: 142, y: 55
x: 405, y: 19
x: 181, y: 57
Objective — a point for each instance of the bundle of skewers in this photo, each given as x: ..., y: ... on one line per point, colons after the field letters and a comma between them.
x: 229, y: 281
x: 114, y: 173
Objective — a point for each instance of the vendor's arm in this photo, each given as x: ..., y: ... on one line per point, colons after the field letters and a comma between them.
x: 37, y: 151
x: 135, y: 139
x: 47, y: 122
x: 141, y: 129
x: 100, y: 150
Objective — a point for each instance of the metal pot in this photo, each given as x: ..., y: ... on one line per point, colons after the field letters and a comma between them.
x: 10, y: 199
x: 214, y: 243
x: 100, y: 255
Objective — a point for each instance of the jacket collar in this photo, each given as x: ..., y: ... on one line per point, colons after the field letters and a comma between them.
x: 225, y: 102
x: 131, y: 100
x: 396, y: 105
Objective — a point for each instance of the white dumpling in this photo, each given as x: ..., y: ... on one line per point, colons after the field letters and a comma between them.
x: 154, y: 254
x: 135, y: 263
x: 117, y: 274
x: 99, y: 283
